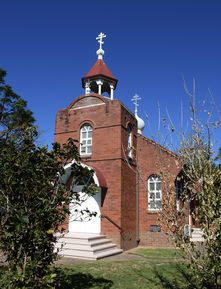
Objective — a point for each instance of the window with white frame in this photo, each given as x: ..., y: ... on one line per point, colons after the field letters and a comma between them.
x: 86, y: 139
x: 154, y: 193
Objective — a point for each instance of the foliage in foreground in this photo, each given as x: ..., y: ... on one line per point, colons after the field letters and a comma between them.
x: 198, y: 193
x: 33, y: 199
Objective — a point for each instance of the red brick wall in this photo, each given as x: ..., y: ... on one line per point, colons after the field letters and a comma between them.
x: 152, y: 159
x: 109, y: 120
x: 128, y: 207
x: 128, y: 182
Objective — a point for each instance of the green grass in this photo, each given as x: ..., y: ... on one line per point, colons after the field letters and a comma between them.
x: 159, y: 254
x: 129, y: 274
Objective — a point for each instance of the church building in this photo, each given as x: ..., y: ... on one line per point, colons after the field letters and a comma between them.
x: 126, y: 166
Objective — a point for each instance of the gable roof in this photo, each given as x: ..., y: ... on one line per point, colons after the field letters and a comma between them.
x: 166, y: 150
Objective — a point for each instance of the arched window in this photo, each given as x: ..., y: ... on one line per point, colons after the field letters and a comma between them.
x: 154, y: 193
x: 129, y: 142
x: 86, y: 139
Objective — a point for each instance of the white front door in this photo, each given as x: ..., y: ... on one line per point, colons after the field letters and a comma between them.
x: 79, y: 223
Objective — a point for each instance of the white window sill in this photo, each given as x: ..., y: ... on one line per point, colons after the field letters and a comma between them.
x: 85, y: 155
x: 152, y: 211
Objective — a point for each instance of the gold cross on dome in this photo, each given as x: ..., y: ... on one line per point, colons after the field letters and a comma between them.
x: 100, y: 38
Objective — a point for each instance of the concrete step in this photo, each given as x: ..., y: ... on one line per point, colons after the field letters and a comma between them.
x: 81, y: 237
x: 85, y: 242
x: 79, y: 247
x: 79, y: 254
x: 196, y: 229
x: 83, y: 245
x: 197, y: 235
x: 196, y: 239
x: 90, y: 255
x: 109, y: 253
x: 86, y: 246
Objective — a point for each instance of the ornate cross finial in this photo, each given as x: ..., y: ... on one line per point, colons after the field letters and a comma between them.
x: 99, y: 38
x: 135, y: 99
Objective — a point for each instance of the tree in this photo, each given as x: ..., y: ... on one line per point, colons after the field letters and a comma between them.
x: 33, y: 200
x: 199, y: 193
x: 218, y: 157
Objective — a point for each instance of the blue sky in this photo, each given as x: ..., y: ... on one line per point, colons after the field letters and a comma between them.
x: 46, y: 47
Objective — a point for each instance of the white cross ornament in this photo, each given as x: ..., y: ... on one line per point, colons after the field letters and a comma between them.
x: 135, y: 99
x: 100, y: 38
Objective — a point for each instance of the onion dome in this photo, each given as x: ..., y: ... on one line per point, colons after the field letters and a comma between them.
x: 140, y: 122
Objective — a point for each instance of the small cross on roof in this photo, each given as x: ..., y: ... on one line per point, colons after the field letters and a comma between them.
x: 135, y: 99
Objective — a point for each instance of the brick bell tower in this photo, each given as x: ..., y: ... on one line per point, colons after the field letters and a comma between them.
x: 107, y: 135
